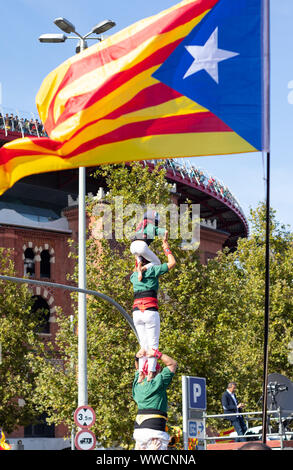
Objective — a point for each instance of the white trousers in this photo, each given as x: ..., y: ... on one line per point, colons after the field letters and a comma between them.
x: 150, y: 439
x: 147, y: 325
x: 140, y: 248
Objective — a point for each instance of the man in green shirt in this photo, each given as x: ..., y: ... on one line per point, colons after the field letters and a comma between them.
x: 146, y: 317
x: 145, y: 233
x: 152, y: 402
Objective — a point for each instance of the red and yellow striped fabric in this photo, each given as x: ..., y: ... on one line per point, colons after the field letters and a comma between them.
x: 104, y: 105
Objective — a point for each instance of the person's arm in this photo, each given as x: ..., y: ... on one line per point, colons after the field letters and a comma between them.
x: 225, y: 402
x: 167, y: 360
x: 171, y: 260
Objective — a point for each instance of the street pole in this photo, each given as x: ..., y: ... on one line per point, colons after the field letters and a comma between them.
x: 82, y: 313
x: 100, y: 28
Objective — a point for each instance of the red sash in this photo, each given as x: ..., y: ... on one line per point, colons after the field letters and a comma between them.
x: 145, y: 303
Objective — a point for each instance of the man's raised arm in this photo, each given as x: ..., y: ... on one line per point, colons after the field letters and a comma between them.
x: 167, y: 360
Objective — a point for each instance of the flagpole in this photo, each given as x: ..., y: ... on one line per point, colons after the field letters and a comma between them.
x: 266, y: 146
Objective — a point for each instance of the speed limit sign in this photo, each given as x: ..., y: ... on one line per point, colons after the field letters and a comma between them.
x: 85, y: 440
x: 84, y: 417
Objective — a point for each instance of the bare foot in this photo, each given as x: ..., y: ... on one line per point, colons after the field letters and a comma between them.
x: 151, y: 375
x: 139, y: 272
x: 141, y: 377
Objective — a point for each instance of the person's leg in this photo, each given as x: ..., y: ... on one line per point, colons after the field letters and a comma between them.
x: 237, y: 424
x: 141, y: 249
x: 152, y: 331
x: 139, y: 323
x: 242, y: 424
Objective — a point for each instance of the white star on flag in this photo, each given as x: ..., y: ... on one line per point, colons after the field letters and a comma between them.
x: 207, y: 57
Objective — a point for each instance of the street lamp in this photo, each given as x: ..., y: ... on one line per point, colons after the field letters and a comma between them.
x: 68, y: 28
x: 52, y: 38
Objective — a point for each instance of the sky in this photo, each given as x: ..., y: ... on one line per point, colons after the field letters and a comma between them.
x: 25, y: 62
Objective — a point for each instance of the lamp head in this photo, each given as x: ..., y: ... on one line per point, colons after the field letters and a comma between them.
x: 64, y: 25
x: 103, y: 26
x: 52, y: 38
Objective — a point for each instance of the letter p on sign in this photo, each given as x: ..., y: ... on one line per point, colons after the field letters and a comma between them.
x: 196, y: 392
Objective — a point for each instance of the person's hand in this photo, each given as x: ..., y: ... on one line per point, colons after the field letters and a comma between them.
x: 155, y: 444
x: 150, y: 352
x: 241, y: 405
x: 166, y: 236
x: 165, y: 244
x: 141, y: 353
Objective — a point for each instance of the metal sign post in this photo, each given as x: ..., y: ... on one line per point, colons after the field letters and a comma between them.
x: 193, y: 405
x: 84, y: 418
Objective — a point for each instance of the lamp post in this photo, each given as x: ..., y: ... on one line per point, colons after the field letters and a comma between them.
x: 67, y: 27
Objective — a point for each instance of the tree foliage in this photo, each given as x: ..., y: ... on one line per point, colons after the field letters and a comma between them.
x: 18, y: 337
x: 212, y: 319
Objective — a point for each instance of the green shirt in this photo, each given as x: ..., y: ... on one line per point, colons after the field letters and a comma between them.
x: 150, y: 279
x: 153, y: 394
x: 150, y: 232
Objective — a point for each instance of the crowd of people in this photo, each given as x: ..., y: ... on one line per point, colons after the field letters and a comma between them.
x: 13, y: 123
x: 202, y: 179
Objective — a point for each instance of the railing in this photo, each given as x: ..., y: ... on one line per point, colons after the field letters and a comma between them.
x: 281, y: 434
x: 23, y: 123
x: 202, y: 178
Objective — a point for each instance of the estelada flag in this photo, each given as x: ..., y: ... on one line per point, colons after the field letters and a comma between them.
x: 183, y: 83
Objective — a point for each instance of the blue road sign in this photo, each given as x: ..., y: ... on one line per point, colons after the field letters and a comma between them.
x: 192, y: 429
x: 197, y: 393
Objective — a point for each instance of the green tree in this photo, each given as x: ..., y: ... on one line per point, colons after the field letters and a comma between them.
x: 18, y: 337
x: 211, y: 318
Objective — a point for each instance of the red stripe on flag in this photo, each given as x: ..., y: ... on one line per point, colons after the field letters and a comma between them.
x: 152, y: 96
x: 184, y: 124
x: 8, y: 154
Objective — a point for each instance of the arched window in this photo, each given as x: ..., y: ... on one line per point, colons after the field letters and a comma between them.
x: 29, y: 262
x: 41, y: 308
x: 45, y: 265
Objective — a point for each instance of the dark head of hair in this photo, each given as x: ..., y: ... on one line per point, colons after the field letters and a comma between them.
x: 230, y: 384
x: 253, y: 445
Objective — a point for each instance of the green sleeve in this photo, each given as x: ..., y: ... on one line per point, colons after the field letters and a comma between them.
x: 134, y: 383
x: 160, y: 231
x: 160, y: 269
x: 167, y: 377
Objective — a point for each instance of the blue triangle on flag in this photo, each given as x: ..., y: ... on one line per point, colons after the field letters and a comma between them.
x: 219, y: 66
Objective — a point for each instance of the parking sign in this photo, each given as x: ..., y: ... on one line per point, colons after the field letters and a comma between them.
x: 197, y: 393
